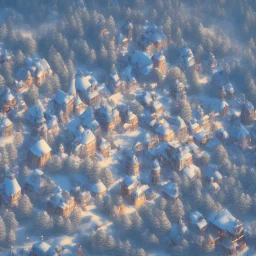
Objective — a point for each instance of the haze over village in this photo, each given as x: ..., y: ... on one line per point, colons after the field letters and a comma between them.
x: 127, y: 127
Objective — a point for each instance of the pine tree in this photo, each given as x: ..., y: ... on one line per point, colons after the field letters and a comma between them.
x: 43, y: 221
x: 68, y: 226
x: 137, y: 223
x: 19, y: 59
x: 32, y: 94
x: 185, y: 111
x: 110, y: 244
x: 76, y: 217
x: 18, y: 139
x: 107, y: 205
x: 165, y: 224
x: 4, y: 158
x: 107, y: 177
x: 11, y: 237
x: 101, y: 239
x: 59, y: 223
x: 12, y: 152
x: 25, y: 206
x: 3, y: 31
x: 10, y: 220
x: 2, y: 230
x: 162, y: 204
x: 103, y: 54
x: 92, y: 56
x: 140, y: 252
x: 124, y: 222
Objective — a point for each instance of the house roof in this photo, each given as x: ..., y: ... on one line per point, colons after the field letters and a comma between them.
x: 98, y: 188
x: 40, y: 148
x: 62, y: 97
x: 224, y: 220
x: 10, y: 185
x: 191, y: 171
x: 171, y: 189
x: 41, y: 247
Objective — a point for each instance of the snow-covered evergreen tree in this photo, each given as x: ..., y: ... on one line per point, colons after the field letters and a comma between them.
x: 25, y: 206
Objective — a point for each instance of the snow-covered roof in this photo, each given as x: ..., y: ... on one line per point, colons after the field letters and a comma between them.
x: 191, y: 171
x: 197, y: 219
x: 10, y: 185
x: 224, y: 220
x: 155, y: 166
x: 171, y: 189
x: 85, y: 137
x: 238, y: 131
x: 143, y: 61
x: 212, y: 172
x: 248, y: 106
x: 7, y: 95
x: 5, y: 122
x: 131, y: 181
x: 229, y: 88
x: 140, y: 190
x: 41, y: 247
x: 178, y: 231
x: 83, y: 83
x: 40, y: 148
x: 62, y: 97
x: 98, y: 188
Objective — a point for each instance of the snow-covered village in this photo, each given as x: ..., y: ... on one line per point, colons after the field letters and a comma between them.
x: 127, y: 127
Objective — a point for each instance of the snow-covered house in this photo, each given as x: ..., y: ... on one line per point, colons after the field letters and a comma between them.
x: 155, y: 172
x: 98, y: 189
x: 192, y: 172
x: 81, y: 197
x: 202, y: 138
x: 131, y: 119
x: 60, y: 203
x: 141, y: 62
x: 240, y: 135
x: 132, y: 164
x: 152, y: 38
x: 86, y: 86
x: 211, y: 174
x: 194, y: 126
x: 220, y: 82
x: 230, y: 230
x: 179, y: 126
x: 247, y: 113
x: 88, y: 121
x: 197, y: 222
x: 104, y: 148
x: 223, y: 108
x: 108, y: 117
x: 163, y: 130
x: 6, y: 126
x: 38, y: 184
x: 222, y: 135
x: 63, y: 101
x: 10, y: 190
x: 127, y: 76
x: 159, y: 62
x: 156, y: 107
x: 171, y: 190
x: 39, y: 153
x: 138, y: 196
x: 187, y: 59
x: 7, y: 100
x: 128, y: 185
x: 178, y: 231
x: 42, y: 248
x: 20, y: 108
x: 52, y: 124
x: 85, y: 142
x: 178, y: 90
x: 179, y: 156
x: 79, y: 106
x: 24, y: 80
x: 62, y: 153
x: 39, y: 69
x: 115, y: 84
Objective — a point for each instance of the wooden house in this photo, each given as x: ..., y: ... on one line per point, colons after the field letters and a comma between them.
x: 7, y: 100
x: 128, y: 185
x: 138, y: 196
x: 61, y: 203
x: 6, y: 126
x: 39, y: 154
